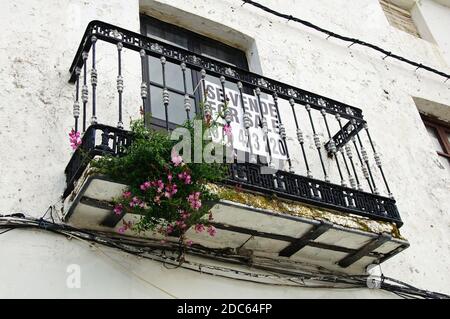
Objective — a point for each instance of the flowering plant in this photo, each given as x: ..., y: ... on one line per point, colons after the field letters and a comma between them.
x: 168, y: 191
x: 74, y: 139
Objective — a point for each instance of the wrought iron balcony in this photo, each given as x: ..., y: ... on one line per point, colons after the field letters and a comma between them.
x: 345, y: 150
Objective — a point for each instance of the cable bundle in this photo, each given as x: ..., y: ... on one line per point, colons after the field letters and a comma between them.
x: 266, y: 270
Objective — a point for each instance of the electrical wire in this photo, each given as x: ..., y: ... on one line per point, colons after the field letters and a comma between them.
x: 169, y: 252
x: 348, y: 39
x: 123, y: 266
x: 5, y: 231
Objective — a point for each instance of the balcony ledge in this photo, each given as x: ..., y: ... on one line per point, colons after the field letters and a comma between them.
x: 285, y: 207
x: 256, y: 224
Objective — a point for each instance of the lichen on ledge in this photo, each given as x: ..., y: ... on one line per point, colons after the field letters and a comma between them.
x: 282, y: 206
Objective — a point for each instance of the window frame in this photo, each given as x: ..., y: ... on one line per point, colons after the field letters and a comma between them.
x: 393, y: 12
x: 194, y: 41
x: 442, y: 129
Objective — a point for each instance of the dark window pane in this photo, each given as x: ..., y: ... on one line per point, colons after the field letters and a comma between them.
x: 223, y: 53
x: 157, y: 103
x: 167, y: 35
x: 155, y: 70
x: 176, y: 111
x: 177, y: 114
x: 194, y: 42
x: 174, y: 75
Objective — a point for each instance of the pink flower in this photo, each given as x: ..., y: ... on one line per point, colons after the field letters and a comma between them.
x: 181, y: 224
x: 176, y: 159
x: 118, y: 209
x: 211, y: 231
x: 171, y: 190
x: 75, y: 139
x: 169, y: 178
x: 126, y: 194
x: 157, y: 200
x: 199, y: 228
x: 160, y: 186
x: 174, y: 189
x: 185, y: 177
x: 126, y: 225
x: 169, y: 229
x: 135, y: 202
x: 146, y: 185
x: 194, y: 200
x: 185, y: 215
x: 227, y: 130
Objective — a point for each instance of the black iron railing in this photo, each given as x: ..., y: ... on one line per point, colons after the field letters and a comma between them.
x: 99, y: 140
x: 342, y: 125
x: 315, y: 192
x: 107, y: 140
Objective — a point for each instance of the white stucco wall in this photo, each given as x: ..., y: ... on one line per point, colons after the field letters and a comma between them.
x: 431, y: 18
x: 35, y: 117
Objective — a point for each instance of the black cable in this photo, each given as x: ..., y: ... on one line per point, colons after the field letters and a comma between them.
x: 18, y: 215
x: 138, y: 248
x: 348, y: 39
x: 5, y: 231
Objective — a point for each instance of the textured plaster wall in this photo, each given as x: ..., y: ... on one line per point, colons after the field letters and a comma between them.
x: 433, y: 23
x: 37, y: 48
x: 36, y: 104
x: 111, y: 274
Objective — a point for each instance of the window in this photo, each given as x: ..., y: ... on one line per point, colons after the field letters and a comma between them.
x: 439, y: 133
x: 399, y: 17
x: 193, y: 42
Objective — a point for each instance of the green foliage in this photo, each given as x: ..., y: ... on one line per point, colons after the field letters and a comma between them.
x: 161, y: 191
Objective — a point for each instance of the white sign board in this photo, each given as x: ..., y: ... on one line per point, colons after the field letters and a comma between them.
x: 257, y: 138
